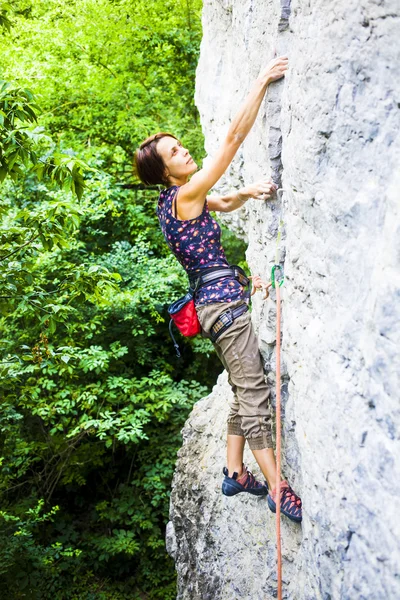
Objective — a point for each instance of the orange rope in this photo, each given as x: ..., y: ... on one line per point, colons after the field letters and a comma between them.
x: 257, y: 284
x: 278, y: 441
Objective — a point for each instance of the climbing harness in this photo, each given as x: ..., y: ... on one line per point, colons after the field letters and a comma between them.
x: 183, y: 311
x: 197, y: 280
x: 225, y: 320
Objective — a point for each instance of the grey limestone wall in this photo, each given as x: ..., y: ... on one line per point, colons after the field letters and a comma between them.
x: 328, y: 134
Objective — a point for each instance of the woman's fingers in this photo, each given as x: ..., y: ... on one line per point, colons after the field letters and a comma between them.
x: 261, y: 190
x: 259, y: 284
x: 276, y: 68
x: 265, y: 189
x: 257, y: 281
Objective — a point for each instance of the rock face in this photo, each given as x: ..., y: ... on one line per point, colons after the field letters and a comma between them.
x: 328, y: 134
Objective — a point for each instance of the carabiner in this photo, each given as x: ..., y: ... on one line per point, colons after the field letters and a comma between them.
x: 273, y: 276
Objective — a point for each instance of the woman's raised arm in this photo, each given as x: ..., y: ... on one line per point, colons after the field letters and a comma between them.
x: 194, y: 192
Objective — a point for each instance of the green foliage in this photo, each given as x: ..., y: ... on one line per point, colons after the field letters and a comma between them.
x: 19, y: 145
x: 92, y: 397
x: 95, y: 398
x: 5, y: 22
x: 109, y: 73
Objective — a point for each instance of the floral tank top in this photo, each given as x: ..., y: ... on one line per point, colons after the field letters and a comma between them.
x: 196, y: 243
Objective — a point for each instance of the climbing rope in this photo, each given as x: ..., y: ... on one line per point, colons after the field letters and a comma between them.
x: 278, y: 428
x: 277, y: 285
x: 278, y: 398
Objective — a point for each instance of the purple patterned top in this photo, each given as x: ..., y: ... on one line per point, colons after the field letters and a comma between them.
x: 196, y: 243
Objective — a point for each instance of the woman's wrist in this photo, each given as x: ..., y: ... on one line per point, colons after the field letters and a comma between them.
x: 264, y: 81
x: 242, y: 196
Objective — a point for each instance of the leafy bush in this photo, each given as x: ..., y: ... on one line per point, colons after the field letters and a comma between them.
x: 92, y: 397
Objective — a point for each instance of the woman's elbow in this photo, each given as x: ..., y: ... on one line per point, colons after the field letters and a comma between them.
x: 234, y: 139
x: 224, y: 205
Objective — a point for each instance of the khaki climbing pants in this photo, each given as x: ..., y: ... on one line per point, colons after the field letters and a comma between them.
x: 237, y: 348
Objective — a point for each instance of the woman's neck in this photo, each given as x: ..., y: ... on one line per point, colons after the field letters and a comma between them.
x: 178, y: 182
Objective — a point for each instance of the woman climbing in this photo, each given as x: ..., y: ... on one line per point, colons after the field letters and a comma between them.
x: 194, y: 237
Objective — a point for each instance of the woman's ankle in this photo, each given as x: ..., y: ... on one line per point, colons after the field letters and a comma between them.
x: 274, y: 486
x: 242, y: 476
x: 239, y: 470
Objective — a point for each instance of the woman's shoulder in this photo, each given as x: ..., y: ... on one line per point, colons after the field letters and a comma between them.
x: 165, y: 199
x: 194, y: 207
x: 168, y: 192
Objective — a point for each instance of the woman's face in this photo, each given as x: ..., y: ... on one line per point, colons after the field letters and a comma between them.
x: 178, y: 162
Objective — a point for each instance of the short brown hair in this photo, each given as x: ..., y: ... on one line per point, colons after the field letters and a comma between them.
x: 149, y: 165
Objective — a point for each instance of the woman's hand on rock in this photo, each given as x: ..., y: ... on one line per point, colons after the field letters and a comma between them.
x: 259, y: 284
x: 274, y: 70
x: 261, y: 190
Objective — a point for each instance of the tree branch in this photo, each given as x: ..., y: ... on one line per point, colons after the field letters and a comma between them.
x: 20, y: 247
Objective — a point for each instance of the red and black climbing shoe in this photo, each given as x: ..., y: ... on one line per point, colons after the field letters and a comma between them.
x: 230, y: 485
x: 290, y: 502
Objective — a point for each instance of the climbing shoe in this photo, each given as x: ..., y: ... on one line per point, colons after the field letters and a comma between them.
x: 290, y: 502
x: 230, y: 485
